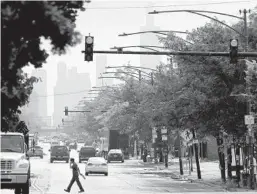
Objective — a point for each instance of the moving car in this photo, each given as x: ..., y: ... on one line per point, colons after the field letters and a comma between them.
x: 60, y: 153
x: 37, y: 151
x: 115, y: 155
x: 86, y: 152
x: 96, y: 165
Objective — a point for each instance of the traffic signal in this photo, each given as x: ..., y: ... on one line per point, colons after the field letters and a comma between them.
x: 66, y: 110
x: 233, y: 51
x: 89, y: 44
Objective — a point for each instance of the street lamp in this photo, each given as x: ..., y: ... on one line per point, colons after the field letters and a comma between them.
x: 163, y: 32
x: 139, y: 71
x: 198, y: 12
x: 120, y: 48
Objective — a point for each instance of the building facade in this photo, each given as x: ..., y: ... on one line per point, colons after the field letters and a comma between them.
x: 35, y: 112
x: 150, y: 39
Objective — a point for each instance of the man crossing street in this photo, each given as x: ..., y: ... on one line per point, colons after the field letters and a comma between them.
x: 75, y: 176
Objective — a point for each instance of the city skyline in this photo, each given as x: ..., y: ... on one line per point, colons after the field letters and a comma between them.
x: 73, y: 85
x: 112, y: 25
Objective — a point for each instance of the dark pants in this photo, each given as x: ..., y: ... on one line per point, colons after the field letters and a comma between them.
x: 75, y: 178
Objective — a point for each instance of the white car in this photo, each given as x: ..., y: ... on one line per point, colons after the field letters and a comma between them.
x: 96, y: 165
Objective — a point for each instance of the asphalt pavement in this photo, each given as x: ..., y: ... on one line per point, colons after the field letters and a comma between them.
x: 128, y: 177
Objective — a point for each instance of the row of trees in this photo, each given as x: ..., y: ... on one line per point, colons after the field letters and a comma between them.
x: 203, y: 94
x: 24, y: 25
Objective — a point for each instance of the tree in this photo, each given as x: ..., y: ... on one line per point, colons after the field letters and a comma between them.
x: 24, y: 24
x: 209, y: 85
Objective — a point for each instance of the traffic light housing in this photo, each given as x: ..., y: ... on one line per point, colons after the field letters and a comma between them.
x: 233, y: 53
x: 89, y: 44
x: 66, y: 110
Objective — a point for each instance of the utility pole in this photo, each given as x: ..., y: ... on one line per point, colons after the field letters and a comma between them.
x: 140, y: 76
x: 152, y: 80
x: 249, y: 125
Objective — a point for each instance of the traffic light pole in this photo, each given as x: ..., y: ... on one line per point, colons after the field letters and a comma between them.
x: 185, y: 53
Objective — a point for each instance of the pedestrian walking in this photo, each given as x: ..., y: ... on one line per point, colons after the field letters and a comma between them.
x: 75, y: 176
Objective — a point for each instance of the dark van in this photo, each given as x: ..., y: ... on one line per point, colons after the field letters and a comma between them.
x: 60, y: 153
x: 86, y: 152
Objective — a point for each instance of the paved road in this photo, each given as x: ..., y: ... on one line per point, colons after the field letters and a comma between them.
x: 128, y: 177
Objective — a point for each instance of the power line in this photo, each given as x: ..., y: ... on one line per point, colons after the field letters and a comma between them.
x: 174, y: 5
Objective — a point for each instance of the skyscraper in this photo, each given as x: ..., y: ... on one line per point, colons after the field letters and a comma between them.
x: 60, y: 88
x: 150, y: 39
x: 70, y: 88
x: 101, y: 63
x: 40, y: 88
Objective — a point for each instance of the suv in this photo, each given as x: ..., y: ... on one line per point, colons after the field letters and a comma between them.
x: 86, y: 152
x: 15, y: 165
x: 60, y: 153
x: 115, y: 155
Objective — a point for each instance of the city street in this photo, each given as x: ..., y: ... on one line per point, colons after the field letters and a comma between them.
x: 128, y: 177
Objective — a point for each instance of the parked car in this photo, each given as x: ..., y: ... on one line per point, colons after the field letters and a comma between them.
x: 60, y: 153
x: 96, y: 165
x: 115, y: 155
x: 86, y: 152
x: 37, y: 151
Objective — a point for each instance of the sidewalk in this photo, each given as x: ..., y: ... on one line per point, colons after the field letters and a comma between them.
x: 210, y: 173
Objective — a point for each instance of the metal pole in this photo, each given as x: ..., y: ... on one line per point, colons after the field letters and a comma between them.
x: 140, y: 77
x: 250, y: 131
x: 185, y: 53
x: 245, y: 30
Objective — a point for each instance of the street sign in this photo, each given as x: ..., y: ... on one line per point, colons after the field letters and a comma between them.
x: 164, y: 137
x: 164, y: 130
x: 249, y: 119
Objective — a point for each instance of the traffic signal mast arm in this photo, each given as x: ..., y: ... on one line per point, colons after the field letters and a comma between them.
x: 188, y: 53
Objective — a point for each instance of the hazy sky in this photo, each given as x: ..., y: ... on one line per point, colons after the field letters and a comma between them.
x: 106, y: 19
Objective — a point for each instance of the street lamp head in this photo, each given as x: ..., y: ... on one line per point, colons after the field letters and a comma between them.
x: 153, y: 12
x: 124, y: 34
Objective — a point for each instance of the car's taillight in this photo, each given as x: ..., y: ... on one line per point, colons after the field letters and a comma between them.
x: 90, y: 164
x: 104, y: 164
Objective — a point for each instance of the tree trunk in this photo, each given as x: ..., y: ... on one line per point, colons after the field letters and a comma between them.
x: 221, y: 158
x: 161, y: 156
x: 191, y: 158
x: 229, y: 162
x: 180, y: 159
x: 197, y: 158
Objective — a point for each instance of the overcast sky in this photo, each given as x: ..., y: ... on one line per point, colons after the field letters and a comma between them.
x: 106, y: 19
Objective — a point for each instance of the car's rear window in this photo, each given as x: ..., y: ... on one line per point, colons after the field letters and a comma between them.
x: 59, y: 148
x: 115, y: 151
x: 87, y: 149
x: 96, y: 160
